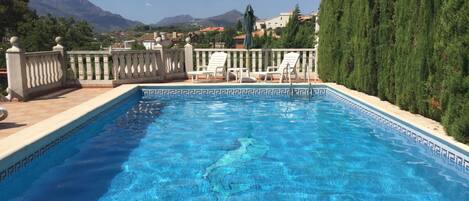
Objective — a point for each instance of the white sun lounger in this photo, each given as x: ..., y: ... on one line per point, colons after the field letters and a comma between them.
x: 287, y: 67
x: 216, y: 65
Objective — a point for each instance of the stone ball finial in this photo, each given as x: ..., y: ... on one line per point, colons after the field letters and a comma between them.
x: 14, y: 41
x: 188, y: 40
x: 58, y: 40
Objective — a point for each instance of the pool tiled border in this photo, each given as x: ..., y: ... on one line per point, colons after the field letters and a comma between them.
x: 56, y: 129
x: 277, y: 91
x: 20, y: 149
x: 442, y: 148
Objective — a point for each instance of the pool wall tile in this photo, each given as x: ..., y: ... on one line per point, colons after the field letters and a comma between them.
x: 452, y: 154
x: 25, y: 155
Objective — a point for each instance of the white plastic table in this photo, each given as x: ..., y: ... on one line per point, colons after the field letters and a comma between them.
x: 237, y: 71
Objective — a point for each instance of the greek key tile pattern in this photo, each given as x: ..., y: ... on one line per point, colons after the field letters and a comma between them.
x: 236, y: 91
x: 28, y: 159
x: 40, y: 152
x: 438, y: 149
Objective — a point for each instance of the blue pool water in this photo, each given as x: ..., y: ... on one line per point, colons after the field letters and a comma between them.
x: 236, y: 148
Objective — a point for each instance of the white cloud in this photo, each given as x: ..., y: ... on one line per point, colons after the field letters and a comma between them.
x: 148, y: 4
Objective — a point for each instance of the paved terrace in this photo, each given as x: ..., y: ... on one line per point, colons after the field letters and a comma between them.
x: 25, y: 114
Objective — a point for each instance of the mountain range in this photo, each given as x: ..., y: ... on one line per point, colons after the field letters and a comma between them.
x: 225, y: 19
x: 103, y: 20
x: 100, y: 19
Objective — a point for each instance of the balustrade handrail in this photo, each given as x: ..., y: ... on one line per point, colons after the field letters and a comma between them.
x: 256, y: 49
x: 82, y: 52
x: 42, y: 53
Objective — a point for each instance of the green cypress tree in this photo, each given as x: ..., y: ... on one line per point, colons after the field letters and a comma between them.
x: 413, y: 53
x: 291, y: 30
x: 385, y: 52
x: 453, y: 56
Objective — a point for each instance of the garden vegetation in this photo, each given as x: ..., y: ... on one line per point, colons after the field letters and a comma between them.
x: 413, y: 53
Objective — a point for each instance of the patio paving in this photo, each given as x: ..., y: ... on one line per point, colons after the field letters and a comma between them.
x: 25, y: 114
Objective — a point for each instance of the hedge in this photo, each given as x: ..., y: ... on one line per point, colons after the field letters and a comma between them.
x: 412, y: 53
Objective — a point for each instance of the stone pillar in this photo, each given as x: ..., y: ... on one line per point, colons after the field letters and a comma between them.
x: 63, y: 63
x: 159, y: 47
x: 189, y: 55
x: 16, y: 69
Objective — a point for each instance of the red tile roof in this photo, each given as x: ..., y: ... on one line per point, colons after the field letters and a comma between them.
x: 208, y: 29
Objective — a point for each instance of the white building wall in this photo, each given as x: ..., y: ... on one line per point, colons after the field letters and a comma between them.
x: 149, y: 44
x: 276, y: 22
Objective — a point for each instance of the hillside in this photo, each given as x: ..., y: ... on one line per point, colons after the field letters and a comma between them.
x: 100, y: 19
x: 225, y: 19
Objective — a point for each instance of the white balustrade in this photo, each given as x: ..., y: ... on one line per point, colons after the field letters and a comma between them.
x: 36, y: 72
x: 43, y: 68
x: 127, y: 66
x: 31, y: 74
x: 90, y: 65
x: 257, y: 60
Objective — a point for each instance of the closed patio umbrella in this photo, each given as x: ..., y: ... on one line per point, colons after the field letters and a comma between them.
x: 248, y: 25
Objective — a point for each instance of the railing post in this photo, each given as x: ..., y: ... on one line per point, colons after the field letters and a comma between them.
x: 189, y: 55
x: 58, y: 47
x: 16, y: 69
x: 160, y: 48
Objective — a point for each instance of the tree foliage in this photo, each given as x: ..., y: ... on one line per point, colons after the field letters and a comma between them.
x: 38, y: 33
x: 206, y: 40
x: 298, y: 34
x: 138, y: 46
x: 412, y: 53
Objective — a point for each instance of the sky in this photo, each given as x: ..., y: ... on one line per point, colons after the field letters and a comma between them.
x: 152, y: 11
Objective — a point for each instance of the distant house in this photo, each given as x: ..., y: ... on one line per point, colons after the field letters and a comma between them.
x: 210, y: 29
x: 128, y: 44
x: 148, y: 40
x: 275, y: 22
x: 281, y: 21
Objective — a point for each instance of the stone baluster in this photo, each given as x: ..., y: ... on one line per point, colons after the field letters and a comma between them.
x: 147, y: 64
x: 128, y: 66
x: 81, y: 67
x: 89, y: 70
x: 106, y: 66
x: 116, y: 65
x: 154, y: 66
x: 141, y: 65
x: 73, y: 67
x: 253, y: 65
x: 260, y: 65
x: 16, y: 69
x: 204, y: 58
x: 97, y: 67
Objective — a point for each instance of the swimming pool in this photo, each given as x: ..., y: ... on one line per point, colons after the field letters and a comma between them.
x: 271, y: 143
